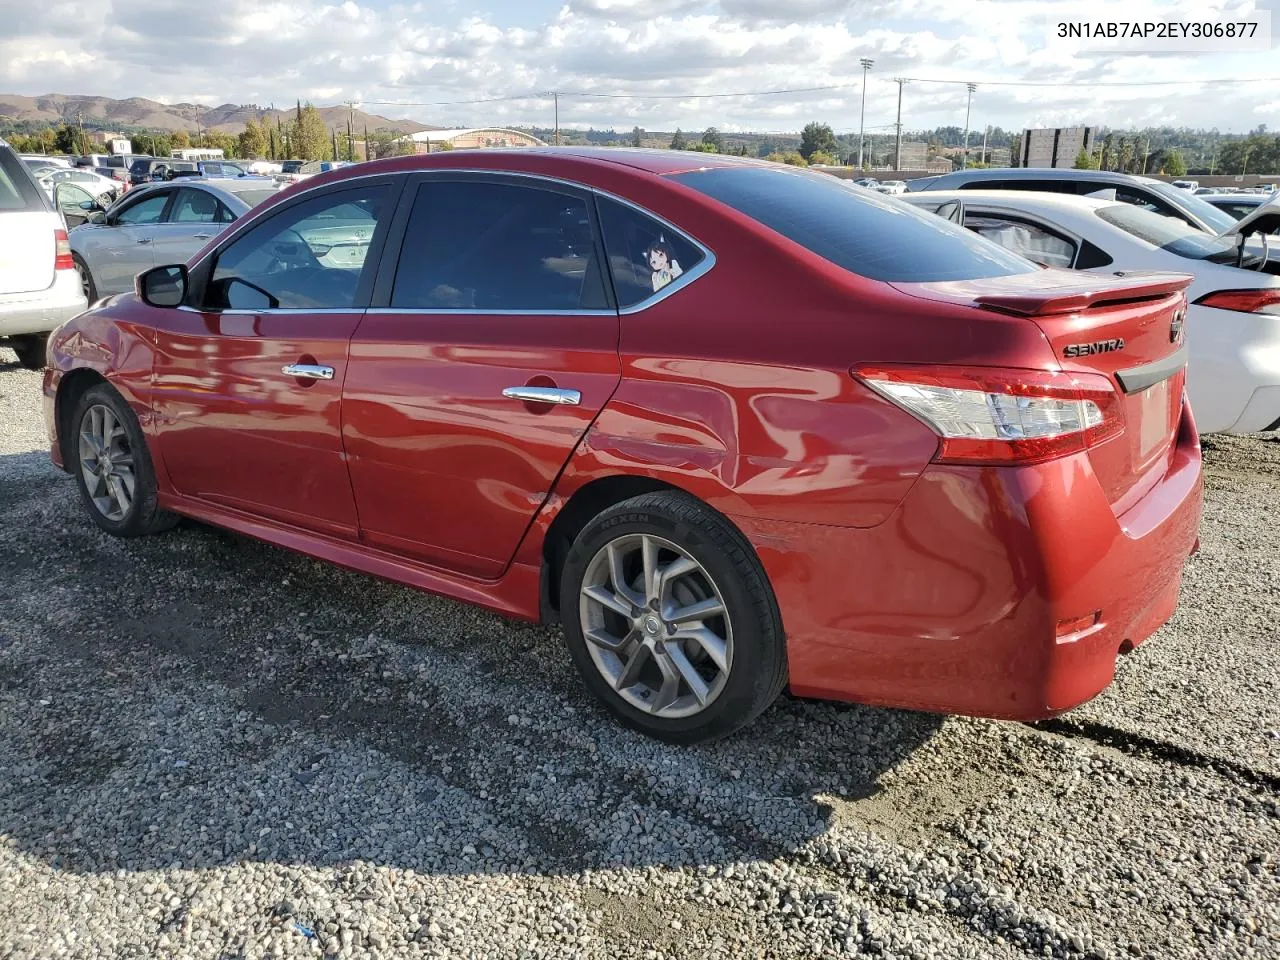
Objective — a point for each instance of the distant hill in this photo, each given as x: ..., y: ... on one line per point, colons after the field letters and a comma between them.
x: 137, y: 113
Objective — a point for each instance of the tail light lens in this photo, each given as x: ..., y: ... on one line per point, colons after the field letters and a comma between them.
x: 1244, y: 301
x: 999, y: 416
x: 62, y: 251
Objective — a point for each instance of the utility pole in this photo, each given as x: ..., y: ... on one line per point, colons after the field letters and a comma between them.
x: 199, y: 131
x: 556, y: 96
x: 897, y: 161
x: 964, y: 157
x: 351, y: 117
x: 984, y: 144
x: 867, y: 64
x: 1146, y: 154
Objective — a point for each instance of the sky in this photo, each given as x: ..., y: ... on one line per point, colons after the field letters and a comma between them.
x: 649, y: 63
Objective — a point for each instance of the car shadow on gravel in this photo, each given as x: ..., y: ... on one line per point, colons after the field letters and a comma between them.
x: 202, y: 698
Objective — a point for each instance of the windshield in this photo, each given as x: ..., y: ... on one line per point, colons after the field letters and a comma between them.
x: 1202, y: 209
x: 1167, y: 233
x: 864, y: 232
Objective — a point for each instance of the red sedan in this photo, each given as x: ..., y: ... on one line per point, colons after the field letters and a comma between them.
x: 735, y: 426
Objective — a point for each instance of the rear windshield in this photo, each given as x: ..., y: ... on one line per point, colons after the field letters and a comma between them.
x: 866, y: 233
x: 254, y: 197
x: 17, y: 190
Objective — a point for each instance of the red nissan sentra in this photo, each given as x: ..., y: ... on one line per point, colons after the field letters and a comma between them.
x: 735, y: 426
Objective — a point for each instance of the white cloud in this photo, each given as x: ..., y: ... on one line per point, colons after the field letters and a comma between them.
x: 265, y: 51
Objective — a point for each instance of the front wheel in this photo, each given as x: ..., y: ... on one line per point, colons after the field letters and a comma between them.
x: 31, y: 349
x: 112, y: 466
x: 670, y: 619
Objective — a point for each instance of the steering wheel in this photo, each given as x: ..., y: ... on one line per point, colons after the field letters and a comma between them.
x: 290, y: 252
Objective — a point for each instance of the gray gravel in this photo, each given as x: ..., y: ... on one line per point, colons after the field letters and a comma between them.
x: 213, y: 748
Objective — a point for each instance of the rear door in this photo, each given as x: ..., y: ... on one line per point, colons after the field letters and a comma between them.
x: 26, y: 234
x: 194, y: 218
x: 496, y: 348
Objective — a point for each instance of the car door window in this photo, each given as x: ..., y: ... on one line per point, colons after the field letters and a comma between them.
x: 1030, y: 240
x: 1149, y: 201
x: 487, y: 246
x: 194, y: 206
x: 310, y: 255
x: 148, y: 210
x: 644, y: 255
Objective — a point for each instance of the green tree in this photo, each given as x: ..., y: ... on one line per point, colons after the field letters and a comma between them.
x: 711, y: 138
x: 1084, y: 161
x: 678, y: 142
x: 1126, y: 154
x: 308, y: 137
x: 70, y: 139
x: 637, y: 137
x: 180, y: 139
x: 701, y: 147
x: 253, y: 140
x: 817, y: 137
x: 1174, y: 165
x: 822, y: 157
x: 791, y: 158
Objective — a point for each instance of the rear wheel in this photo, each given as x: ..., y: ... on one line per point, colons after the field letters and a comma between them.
x: 112, y: 466
x: 670, y: 619
x: 30, y: 348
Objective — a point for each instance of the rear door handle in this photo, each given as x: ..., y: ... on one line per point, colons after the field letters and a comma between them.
x: 308, y: 371
x: 543, y: 395
x: 201, y: 236
x: 144, y: 239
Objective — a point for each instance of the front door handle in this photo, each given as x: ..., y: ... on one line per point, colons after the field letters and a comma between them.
x: 201, y: 236
x: 543, y: 395
x: 308, y: 371
x: 144, y: 239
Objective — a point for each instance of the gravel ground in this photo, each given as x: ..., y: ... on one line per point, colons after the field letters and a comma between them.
x: 214, y: 748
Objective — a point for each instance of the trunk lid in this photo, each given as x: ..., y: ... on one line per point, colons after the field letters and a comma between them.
x: 26, y: 251
x: 1127, y: 328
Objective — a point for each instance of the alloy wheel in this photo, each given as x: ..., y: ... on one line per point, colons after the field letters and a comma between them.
x: 86, y: 285
x: 106, y: 462
x: 656, y: 626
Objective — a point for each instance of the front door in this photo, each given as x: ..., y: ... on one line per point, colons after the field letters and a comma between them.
x: 119, y: 249
x: 248, y: 380
x: 194, y: 218
x: 467, y: 394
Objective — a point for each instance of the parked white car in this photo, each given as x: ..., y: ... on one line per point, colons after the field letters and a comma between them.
x: 39, y: 288
x: 91, y: 182
x: 892, y: 187
x: 1233, y: 320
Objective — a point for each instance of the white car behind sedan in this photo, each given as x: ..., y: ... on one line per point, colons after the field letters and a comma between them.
x: 1233, y: 317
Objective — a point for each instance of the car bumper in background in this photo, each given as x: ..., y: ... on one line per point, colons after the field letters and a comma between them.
x: 42, y: 310
x: 978, y: 594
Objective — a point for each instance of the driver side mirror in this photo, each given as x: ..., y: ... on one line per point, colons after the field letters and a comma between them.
x: 162, y: 286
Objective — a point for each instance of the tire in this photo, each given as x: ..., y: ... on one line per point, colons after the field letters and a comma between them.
x: 103, y: 412
x: 638, y: 659
x: 31, y: 350
x: 86, y: 279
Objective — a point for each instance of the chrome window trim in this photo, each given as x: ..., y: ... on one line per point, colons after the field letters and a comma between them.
x: 480, y: 311
x: 241, y: 311
x: 708, y: 261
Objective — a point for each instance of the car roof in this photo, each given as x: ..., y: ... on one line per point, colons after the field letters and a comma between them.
x: 1038, y: 199
x: 1032, y: 173
x: 1236, y: 197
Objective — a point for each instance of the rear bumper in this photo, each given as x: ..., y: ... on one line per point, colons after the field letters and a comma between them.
x: 953, y: 604
x: 42, y: 310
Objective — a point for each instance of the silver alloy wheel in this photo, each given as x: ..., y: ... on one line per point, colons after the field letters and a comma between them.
x: 106, y: 462
x: 656, y: 626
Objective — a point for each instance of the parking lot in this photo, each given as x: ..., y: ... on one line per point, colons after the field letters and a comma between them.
x: 214, y: 748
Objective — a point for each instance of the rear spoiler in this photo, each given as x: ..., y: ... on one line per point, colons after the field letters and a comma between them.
x: 1152, y: 287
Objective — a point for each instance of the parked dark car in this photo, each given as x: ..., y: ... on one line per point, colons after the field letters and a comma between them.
x: 735, y: 426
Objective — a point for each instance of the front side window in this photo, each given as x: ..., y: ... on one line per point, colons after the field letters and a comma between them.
x: 311, y: 255
x: 868, y: 234
x: 494, y: 246
x: 1024, y: 238
x: 149, y: 210
x: 644, y: 256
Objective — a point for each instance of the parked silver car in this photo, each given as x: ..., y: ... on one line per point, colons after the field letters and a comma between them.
x: 150, y: 225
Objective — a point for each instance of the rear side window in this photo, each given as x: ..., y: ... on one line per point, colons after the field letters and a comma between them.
x: 874, y: 236
x: 644, y: 256
x: 489, y: 246
x: 195, y: 206
x: 1031, y: 240
x: 17, y: 191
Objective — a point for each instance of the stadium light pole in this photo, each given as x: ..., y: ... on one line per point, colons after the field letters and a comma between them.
x: 867, y: 64
x: 964, y: 157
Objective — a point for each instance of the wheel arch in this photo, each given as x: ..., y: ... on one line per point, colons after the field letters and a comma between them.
x: 74, y: 385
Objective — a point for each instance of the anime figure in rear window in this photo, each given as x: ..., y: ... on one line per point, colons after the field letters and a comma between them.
x: 663, y: 264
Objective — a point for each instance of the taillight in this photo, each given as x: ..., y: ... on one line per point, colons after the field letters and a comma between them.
x: 1244, y: 301
x: 62, y: 251
x: 998, y: 415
